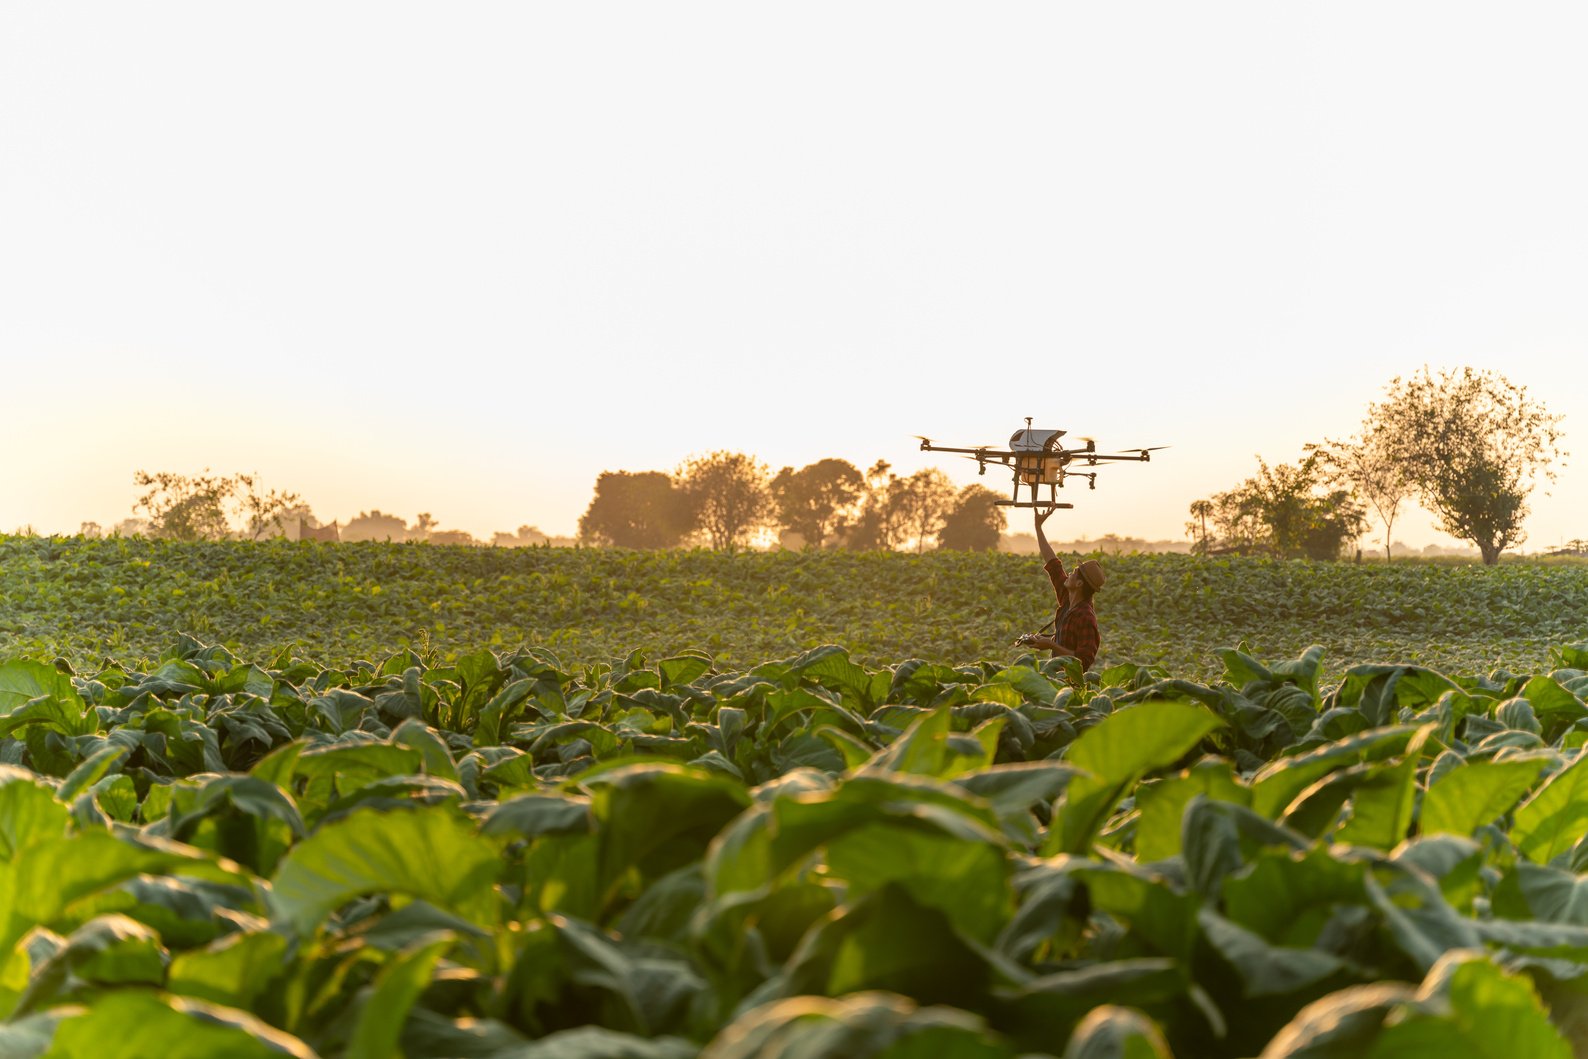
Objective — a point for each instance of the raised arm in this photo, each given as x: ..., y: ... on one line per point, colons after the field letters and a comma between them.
x: 1042, y: 538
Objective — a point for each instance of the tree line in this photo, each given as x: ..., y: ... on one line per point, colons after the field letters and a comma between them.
x: 726, y: 500
x: 1468, y: 445
x: 723, y: 500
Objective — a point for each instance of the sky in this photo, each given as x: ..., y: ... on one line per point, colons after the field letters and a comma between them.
x: 463, y: 258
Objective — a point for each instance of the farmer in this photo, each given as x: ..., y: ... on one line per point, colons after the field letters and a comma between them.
x: 1074, y: 623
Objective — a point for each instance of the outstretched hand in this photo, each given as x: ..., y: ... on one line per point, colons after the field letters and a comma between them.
x: 1042, y: 516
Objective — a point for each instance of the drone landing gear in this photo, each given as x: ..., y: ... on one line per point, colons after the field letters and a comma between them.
x: 1030, y: 503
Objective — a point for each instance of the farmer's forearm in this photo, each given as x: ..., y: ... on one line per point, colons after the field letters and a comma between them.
x: 1042, y: 544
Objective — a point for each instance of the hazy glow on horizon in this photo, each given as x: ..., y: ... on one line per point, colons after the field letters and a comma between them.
x: 462, y: 259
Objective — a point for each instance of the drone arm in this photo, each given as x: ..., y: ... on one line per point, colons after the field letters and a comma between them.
x: 927, y: 446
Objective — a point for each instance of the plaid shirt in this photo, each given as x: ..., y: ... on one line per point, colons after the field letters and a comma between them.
x: 1074, y: 627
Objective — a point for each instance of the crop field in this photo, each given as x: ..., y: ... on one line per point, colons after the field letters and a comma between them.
x: 89, y: 600
x: 580, y: 805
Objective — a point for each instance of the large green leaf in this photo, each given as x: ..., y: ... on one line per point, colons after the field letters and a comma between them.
x: 125, y: 1024
x: 889, y: 941
x: 1380, y: 691
x: 29, y: 812
x: 380, y: 1020
x: 1382, y: 805
x: 29, y: 1037
x: 862, y: 1026
x: 1116, y: 752
x: 1052, y: 1007
x: 966, y: 880
x: 1112, y: 1032
x: 1279, y: 782
x: 1469, y: 1007
x: 428, y: 853
x: 1541, y: 892
x: 1474, y: 793
x: 929, y: 748
x: 752, y: 852
x: 1158, y: 914
x: 35, y: 889
x: 107, y: 951
x: 22, y: 681
x: 1268, y: 970
x: 593, y: 1042
x: 232, y: 972
x: 1288, y: 897
x: 1163, y: 802
x: 1341, y: 1025
x: 1553, y: 819
x: 659, y: 817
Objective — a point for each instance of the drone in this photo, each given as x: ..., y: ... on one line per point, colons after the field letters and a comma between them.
x: 1037, y: 458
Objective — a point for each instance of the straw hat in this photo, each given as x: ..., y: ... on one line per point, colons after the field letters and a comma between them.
x: 1091, y: 572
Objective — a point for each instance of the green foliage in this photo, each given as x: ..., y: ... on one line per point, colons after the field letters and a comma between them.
x: 85, y: 599
x: 506, y: 855
x: 561, y: 845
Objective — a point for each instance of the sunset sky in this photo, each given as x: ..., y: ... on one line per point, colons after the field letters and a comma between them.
x: 462, y: 258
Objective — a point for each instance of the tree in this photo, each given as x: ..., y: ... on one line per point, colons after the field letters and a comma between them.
x: 526, y: 537
x: 1472, y: 442
x: 880, y: 523
x: 817, y: 500
x: 262, y: 511
x: 727, y: 496
x: 203, y: 506
x: 922, y: 503
x: 643, y: 509
x: 976, y: 523
x: 184, y: 507
x: 1287, y: 510
x: 1370, y: 467
x: 1197, y: 528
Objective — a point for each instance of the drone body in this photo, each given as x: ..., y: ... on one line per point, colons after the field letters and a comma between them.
x: 1037, y: 458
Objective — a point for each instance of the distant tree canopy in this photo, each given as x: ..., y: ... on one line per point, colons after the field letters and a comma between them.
x: 1467, y: 444
x: 818, y: 501
x: 1471, y: 442
x: 1287, y: 510
x: 644, y: 509
x: 976, y: 523
x: 727, y: 496
x: 725, y: 499
x: 524, y: 537
x: 922, y: 503
x: 1369, y: 467
x: 209, y: 506
x: 375, y: 525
